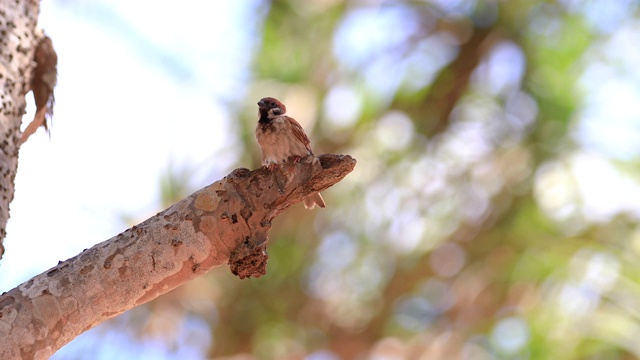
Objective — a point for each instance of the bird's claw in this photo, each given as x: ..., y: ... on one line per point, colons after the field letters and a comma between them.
x: 272, y: 166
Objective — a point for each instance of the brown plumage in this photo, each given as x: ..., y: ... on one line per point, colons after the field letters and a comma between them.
x: 281, y: 138
x: 43, y: 82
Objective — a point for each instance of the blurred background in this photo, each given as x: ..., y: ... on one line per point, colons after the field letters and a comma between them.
x: 493, y: 213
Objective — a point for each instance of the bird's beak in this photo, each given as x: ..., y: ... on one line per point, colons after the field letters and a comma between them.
x: 261, y: 103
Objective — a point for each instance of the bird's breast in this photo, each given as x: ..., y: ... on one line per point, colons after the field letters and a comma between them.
x: 277, y: 142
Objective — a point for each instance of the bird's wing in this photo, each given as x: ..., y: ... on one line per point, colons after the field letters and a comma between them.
x: 299, y: 133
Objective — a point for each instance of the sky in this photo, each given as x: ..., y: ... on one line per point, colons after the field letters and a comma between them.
x: 134, y: 96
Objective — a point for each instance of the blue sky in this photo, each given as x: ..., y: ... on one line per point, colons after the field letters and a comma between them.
x: 135, y: 93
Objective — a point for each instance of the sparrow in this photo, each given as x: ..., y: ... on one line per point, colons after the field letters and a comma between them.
x: 281, y: 138
x: 43, y: 82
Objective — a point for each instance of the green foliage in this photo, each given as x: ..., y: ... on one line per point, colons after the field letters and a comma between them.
x: 492, y: 89
x: 471, y: 227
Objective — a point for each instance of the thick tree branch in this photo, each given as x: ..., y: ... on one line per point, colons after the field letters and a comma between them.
x: 225, y: 222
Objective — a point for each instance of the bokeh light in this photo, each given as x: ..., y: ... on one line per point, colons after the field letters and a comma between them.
x: 493, y: 212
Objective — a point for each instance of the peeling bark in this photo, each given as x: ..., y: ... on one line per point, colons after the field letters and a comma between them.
x: 225, y: 222
x: 18, y: 40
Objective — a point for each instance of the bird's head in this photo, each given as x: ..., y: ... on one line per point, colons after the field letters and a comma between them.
x: 269, y: 108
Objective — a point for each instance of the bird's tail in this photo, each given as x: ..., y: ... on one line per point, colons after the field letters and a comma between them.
x: 311, y: 201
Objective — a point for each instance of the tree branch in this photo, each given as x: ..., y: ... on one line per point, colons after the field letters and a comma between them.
x: 225, y: 222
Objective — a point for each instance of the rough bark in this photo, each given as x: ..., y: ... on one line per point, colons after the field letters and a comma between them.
x: 18, y: 40
x: 225, y: 222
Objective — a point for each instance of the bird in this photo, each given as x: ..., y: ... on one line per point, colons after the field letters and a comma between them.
x: 281, y: 138
x: 43, y: 81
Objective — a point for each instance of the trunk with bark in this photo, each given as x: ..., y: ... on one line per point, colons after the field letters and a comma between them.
x: 18, y: 40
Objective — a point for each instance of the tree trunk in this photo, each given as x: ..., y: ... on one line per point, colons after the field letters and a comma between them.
x: 225, y: 222
x: 18, y: 40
